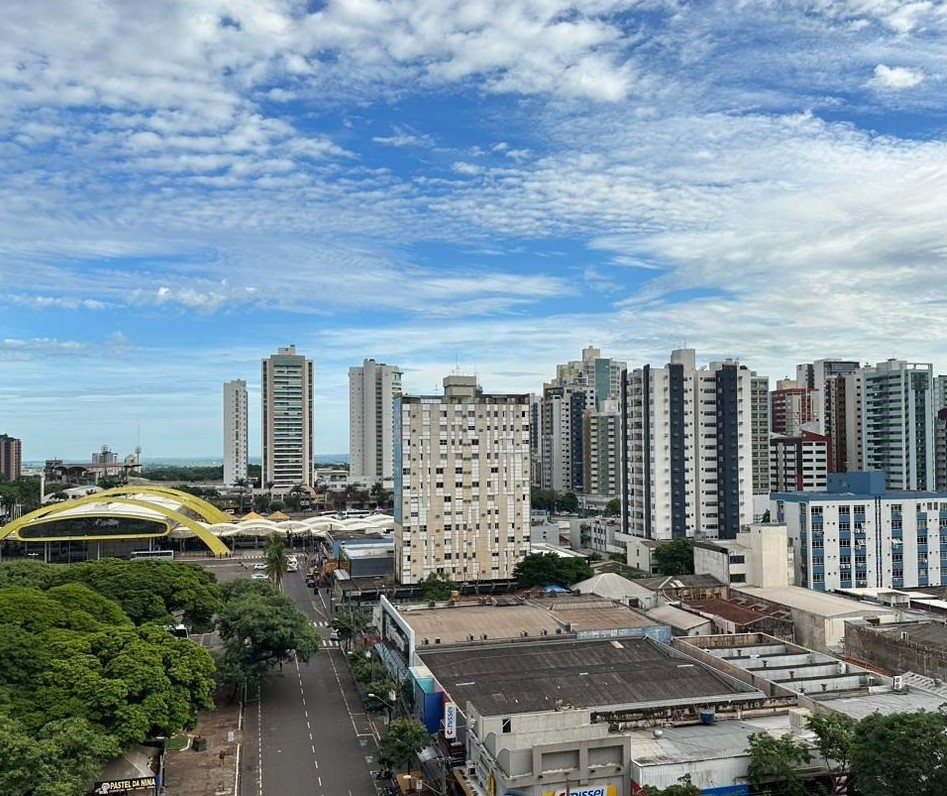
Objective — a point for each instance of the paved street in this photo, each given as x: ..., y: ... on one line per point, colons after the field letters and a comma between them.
x: 306, y: 734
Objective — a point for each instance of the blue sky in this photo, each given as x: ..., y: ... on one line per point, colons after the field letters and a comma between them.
x: 482, y: 184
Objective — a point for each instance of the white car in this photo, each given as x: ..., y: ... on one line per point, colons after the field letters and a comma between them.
x: 259, y: 565
x: 259, y: 576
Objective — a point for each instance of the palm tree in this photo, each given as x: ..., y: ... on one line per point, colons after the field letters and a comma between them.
x: 242, y: 484
x: 275, y: 558
x: 295, y: 495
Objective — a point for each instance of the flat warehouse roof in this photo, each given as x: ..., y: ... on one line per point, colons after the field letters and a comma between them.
x: 525, y: 678
x: 535, y: 618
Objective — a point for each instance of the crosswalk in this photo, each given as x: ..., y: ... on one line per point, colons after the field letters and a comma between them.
x: 322, y: 627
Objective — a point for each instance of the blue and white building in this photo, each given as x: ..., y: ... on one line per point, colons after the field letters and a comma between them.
x: 858, y: 534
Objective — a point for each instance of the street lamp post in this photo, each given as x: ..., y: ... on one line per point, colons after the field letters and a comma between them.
x: 388, y: 706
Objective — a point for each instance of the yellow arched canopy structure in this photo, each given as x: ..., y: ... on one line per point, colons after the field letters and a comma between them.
x: 164, y: 505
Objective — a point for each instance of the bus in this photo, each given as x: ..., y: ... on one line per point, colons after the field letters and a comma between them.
x: 162, y: 555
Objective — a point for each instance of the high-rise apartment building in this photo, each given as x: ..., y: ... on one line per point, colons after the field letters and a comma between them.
x: 236, y: 451
x: 461, y: 483
x: 799, y: 463
x: 760, y: 431
x: 286, y: 397
x: 601, y: 446
x: 373, y: 388
x: 837, y: 415
x: 581, y: 389
x: 11, y: 458
x: 688, y: 459
x: 898, y: 423
x: 793, y: 406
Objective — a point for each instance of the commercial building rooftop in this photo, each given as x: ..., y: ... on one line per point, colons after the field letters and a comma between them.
x: 493, y: 620
x: 814, y: 602
x: 626, y: 673
x: 820, y: 678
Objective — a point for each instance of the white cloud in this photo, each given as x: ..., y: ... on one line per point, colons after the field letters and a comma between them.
x: 895, y: 77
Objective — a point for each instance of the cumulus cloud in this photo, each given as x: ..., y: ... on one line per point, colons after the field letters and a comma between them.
x: 633, y: 173
x: 895, y: 77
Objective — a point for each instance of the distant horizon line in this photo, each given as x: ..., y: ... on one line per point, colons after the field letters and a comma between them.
x: 212, y: 460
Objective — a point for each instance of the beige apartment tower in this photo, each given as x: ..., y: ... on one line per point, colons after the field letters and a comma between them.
x: 286, y: 385
x: 373, y: 388
x: 461, y: 484
x: 235, y: 432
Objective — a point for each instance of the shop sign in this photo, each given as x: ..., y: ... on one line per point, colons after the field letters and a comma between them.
x: 584, y: 790
x: 450, y: 720
x: 120, y: 785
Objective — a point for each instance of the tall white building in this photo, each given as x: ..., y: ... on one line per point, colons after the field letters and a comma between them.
x: 857, y: 534
x: 235, y: 431
x: 461, y: 484
x: 688, y: 459
x: 897, y: 423
x: 373, y: 388
x: 286, y: 388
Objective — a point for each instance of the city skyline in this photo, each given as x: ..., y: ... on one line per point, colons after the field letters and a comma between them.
x: 476, y: 187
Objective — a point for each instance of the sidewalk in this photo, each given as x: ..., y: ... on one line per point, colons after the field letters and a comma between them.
x: 212, y: 772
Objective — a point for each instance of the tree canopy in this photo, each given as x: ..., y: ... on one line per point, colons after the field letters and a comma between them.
x: 546, y: 569
x: 404, y: 739
x: 675, y: 557
x: 437, y: 588
x: 903, y: 753
x: 147, y: 591
x: 260, y: 628
x: 80, y: 681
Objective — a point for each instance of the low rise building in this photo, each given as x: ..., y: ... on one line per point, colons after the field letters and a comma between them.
x: 760, y: 556
x: 818, y: 619
x: 561, y: 716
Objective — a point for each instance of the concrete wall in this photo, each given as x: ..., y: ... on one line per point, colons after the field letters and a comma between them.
x: 712, y: 562
x: 887, y: 650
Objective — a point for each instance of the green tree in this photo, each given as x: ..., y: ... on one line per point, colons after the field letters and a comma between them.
x: 404, y: 739
x: 243, y: 486
x: 777, y: 760
x: 24, y: 491
x: 260, y: 628
x: 437, y: 588
x: 568, y: 503
x: 295, y: 496
x: 545, y: 569
x: 349, y: 625
x: 542, y: 499
x: 275, y: 558
x: 134, y: 683
x: 613, y: 507
x: 835, y: 738
x: 685, y: 788
x: 902, y: 753
x: 675, y: 557
x: 150, y: 591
